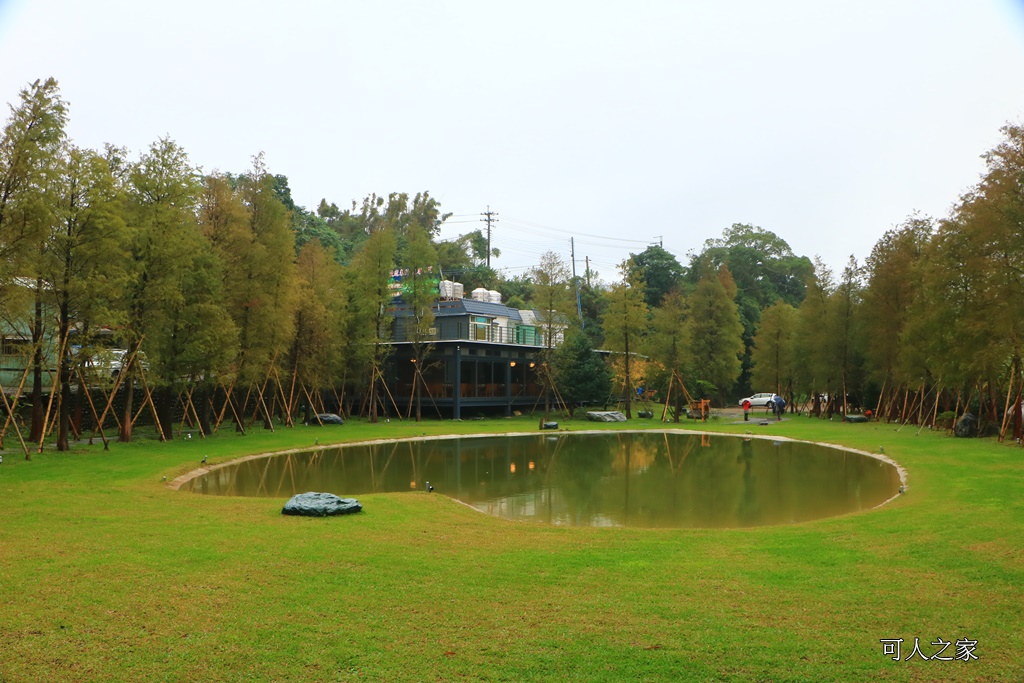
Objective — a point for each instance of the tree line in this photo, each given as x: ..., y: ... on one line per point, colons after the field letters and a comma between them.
x: 221, y: 281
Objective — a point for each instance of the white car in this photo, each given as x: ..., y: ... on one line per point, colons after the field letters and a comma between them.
x: 757, y: 400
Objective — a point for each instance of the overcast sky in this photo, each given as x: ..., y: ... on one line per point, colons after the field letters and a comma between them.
x: 621, y: 124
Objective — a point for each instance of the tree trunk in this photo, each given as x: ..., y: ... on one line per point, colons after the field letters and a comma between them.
x: 679, y: 403
x: 418, y: 381
x: 124, y: 435
x: 204, y: 410
x: 64, y: 407
x: 628, y: 387
x: 38, y: 415
x: 164, y: 397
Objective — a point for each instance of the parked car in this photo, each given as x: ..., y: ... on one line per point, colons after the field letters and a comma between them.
x: 758, y: 400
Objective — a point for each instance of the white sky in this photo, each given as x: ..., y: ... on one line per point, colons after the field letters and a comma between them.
x: 825, y: 122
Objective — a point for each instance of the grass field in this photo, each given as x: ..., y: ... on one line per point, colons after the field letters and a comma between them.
x: 106, y: 574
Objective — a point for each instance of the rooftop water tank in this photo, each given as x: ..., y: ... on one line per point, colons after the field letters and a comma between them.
x: 460, y: 291
x: 494, y: 296
x: 447, y: 289
x: 479, y: 294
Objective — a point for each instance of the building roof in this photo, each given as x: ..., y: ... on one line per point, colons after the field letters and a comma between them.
x: 474, y: 307
x: 460, y: 307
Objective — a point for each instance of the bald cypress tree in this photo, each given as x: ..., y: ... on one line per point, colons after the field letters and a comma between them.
x: 625, y: 326
x: 30, y: 150
x: 717, y: 332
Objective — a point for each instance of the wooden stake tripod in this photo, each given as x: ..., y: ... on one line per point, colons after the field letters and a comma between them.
x: 677, y: 381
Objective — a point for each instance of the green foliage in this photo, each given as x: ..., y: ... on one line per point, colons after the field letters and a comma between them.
x: 85, y: 262
x: 762, y: 263
x: 716, y: 331
x: 321, y: 322
x: 774, y: 355
x: 582, y: 376
x: 660, y: 272
x: 765, y: 270
x: 892, y: 293
x: 669, y: 342
x: 551, y: 296
x: 624, y: 325
x: 309, y: 226
x: 371, y: 323
x: 176, y: 299
x: 250, y: 230
x: 517, y: 291
x: 30, y: 149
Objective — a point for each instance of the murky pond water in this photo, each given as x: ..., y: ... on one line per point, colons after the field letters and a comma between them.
x: 643, y: 479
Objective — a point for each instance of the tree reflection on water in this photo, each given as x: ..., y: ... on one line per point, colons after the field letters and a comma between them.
x: 647, y: 479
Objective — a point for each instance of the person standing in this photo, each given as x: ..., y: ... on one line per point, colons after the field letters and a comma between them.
x: 778, y: 407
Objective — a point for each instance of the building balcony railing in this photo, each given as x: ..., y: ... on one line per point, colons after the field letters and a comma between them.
x: 462, y: 331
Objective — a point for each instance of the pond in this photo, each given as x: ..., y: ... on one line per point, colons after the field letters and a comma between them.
x: 634, y: 479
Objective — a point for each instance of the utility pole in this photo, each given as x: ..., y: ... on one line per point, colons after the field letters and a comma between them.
x: 588, y: 272
x: 579, y: 305
x: 661, y: 241
x: 489, y: 217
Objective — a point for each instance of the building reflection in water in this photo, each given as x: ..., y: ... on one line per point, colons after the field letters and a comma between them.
x: 649, y: 479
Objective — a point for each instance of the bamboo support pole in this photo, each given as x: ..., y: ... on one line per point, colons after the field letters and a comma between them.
x: 117, y: 385
x: 14, y: 404
x: 92, y: 408
x: 54, y: 391
x: 228, y: 390
x: 10, y: 414
x: 148, y: 400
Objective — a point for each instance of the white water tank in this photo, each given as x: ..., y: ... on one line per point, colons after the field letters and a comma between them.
x: 479, y: 294
x: 494, y: 296
x: 447, y: 289
x: 460, y: 290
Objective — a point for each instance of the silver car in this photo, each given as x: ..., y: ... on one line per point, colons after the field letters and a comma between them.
x: 758, y: 400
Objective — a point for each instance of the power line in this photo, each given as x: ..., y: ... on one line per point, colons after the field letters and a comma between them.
x: 575, y: 233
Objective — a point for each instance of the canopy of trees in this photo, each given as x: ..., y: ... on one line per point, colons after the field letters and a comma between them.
x: 221, y: 280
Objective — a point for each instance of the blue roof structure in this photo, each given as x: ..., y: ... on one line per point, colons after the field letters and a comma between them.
x: 459, y: 307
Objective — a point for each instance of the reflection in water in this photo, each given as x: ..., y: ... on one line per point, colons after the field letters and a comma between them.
x: 620, y: 479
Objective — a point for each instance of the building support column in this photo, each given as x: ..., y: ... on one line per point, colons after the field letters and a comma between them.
x: 457, y: 386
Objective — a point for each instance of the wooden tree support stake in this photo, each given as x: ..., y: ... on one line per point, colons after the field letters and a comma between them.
x: 92, y: 407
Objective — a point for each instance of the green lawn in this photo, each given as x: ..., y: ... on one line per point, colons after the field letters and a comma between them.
x: 108, y: 575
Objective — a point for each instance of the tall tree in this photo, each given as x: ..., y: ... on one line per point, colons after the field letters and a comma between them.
x: 249, y: 227
x: 669, y: 346
x: 625, y: 326
x: 773, y: 354
x: 816, y: 371
x: 85, y: 263
x: 717, y: 332
x: 30, y: 149
x: 320, y: 325
x: 765, y: 270
x: 265, y: 316
x: 552, y: 299
x: 174, y: 300
x: 372, y: 270
x: 890, y: 295
x: 419, y: 291
x: 582, y: 375
x: 845, y: 327
x: 29, y: 159
x: 660, y: 272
